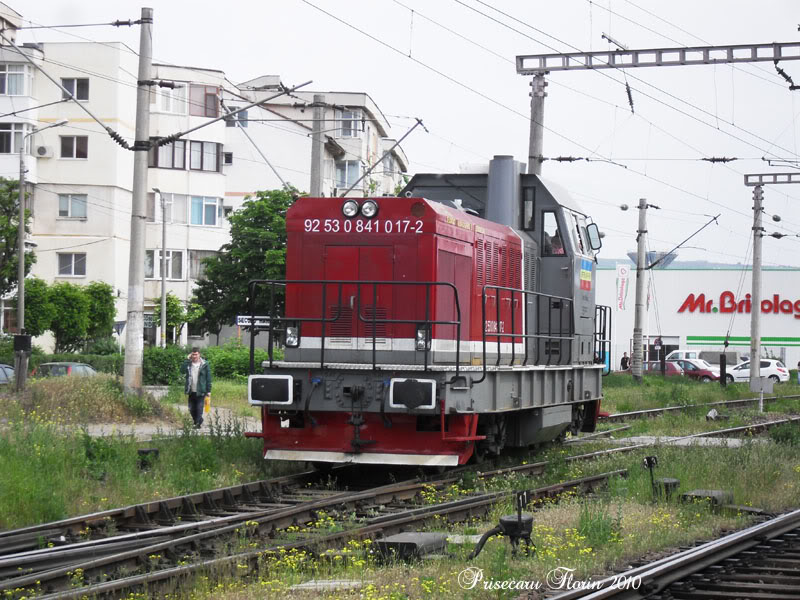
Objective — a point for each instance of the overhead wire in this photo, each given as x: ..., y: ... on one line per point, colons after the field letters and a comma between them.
x: 556, y: 50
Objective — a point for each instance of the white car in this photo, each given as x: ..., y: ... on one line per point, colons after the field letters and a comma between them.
x: 774, y: 369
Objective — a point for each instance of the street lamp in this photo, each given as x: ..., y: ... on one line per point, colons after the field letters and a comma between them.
x: 163, y: 269
x: 22, y: 342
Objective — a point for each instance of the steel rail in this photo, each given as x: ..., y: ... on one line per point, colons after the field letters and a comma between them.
x: 656, y: 576
x: 654, y: 412
x: 75, y: 524
x: 381, y: 525
x: 267, y: 521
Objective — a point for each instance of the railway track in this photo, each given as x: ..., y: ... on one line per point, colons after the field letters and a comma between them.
x: 761, y: 562
x: 194, y: 527
x: 379, y: 512
x: 657, y: 412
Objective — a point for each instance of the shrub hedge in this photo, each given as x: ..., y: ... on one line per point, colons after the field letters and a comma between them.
x: 161, y: 366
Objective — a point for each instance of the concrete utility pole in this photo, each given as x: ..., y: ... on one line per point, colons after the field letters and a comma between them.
x: 317, y: 145
x: 134, y: 331
x: 536, y: 143
x: 755, y: 293
x: 637, y: 355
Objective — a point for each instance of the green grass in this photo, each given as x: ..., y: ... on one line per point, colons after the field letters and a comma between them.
x: 622, y: 394
x: 593, y: 535
x: 225, y: 393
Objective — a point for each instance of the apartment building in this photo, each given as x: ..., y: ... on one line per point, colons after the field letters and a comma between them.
x: 81, y: 179
x: 356, y: 136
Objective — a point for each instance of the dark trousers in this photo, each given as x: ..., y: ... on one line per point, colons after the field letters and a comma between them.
x: 196, y: 405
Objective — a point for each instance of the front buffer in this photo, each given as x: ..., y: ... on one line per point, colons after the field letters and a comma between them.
x: 397, y: 420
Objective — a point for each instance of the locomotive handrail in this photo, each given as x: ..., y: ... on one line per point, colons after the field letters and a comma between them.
x: 602, y: 341
x: 549, y: 335
x: 427, y: 323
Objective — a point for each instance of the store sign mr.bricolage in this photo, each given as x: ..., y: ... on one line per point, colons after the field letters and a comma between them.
x: 729, y: 304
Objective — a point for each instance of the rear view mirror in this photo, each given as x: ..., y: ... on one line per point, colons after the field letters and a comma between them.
x: 594, y: 236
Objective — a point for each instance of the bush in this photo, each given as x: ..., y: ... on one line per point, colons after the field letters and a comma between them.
x: 106, y: 345
x: 232, y: 360
x: 162, y: 366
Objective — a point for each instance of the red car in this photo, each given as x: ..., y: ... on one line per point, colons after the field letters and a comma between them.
x: 698, y: 369
x: 671, y: 368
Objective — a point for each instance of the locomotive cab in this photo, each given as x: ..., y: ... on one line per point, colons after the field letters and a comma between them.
x: 448, y: 323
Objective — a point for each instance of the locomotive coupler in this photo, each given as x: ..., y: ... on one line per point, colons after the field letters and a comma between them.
x: 516, y: 528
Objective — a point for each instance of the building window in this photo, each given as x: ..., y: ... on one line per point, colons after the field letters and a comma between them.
x: 205, y: 210
x: 347, y: 173
x: 197, y: 268
x: 72, y: 206
x: 174, y: 208
x: 168, y: 100
x: 152, y: 264
x: 14, y: 80
x: 228, y: 158
x: 240, y: 118
x: 168, y: 156
x: 388, y: 165
x: 74, y: 146
x: 204, y: 156
x: 350, y: 123
x: 11, y: 136
x: 77, y: 86
x: 203, y: 100
x: 72, y: 265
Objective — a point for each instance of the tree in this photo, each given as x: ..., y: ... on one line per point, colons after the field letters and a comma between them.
x: 71, y: 320
x: 9, y: 226
x: 101, y: 310
x: 39, y: 310
x: 176, y: 313
x: 257, y: 250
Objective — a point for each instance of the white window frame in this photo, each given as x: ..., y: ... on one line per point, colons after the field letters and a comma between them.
x: 350, y: 123
x: 74, y: 147
x: 171, y: 101
x: 74, y: 90
x: 71, y: 200
x: 7, y: 69
x: 206, y: 202
x: 15, y: 133
x: 156, y: 254
x: 73, y: 256
x: 349, y: 178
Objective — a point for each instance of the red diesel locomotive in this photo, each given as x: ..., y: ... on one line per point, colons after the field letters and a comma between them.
x: 426, y: 329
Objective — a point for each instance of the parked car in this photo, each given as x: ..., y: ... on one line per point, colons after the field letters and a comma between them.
x: 696, y: 368
x: 6, y: 374
x: 774, y: 369
x: 60, y: 369
x: 682, y: 354
x: 671, y: 368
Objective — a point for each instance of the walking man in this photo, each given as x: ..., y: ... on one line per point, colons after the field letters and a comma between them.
x: 625, y: 362
x: 198, y: 384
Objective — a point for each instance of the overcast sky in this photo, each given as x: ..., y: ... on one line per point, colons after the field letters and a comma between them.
x: 451, y: 63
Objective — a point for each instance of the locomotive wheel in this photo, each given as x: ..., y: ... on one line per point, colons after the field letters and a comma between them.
x: 578, y: 417
x: 479, y: 453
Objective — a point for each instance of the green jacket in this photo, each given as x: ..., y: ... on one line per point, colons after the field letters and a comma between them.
x: 203, y: 377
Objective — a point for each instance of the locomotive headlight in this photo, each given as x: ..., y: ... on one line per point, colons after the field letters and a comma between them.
x: 292, y: 337
x: 350, y: 208
x: 423, y: 343
x: 369, y: 209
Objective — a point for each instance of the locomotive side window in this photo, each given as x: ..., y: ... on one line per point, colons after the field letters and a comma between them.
x: 528, y: 202
x: 552, y: 240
